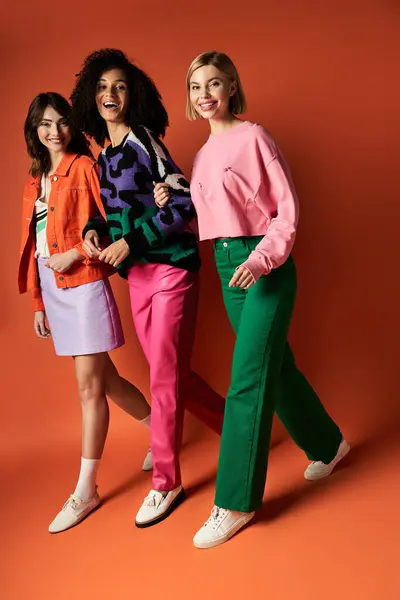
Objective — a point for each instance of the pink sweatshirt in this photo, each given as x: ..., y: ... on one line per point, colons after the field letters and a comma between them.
x: 241, y: 186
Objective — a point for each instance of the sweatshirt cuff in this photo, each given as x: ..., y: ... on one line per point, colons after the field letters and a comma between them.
x: 256, y: 266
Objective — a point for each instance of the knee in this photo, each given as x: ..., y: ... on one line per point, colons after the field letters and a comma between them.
x: 91, y: 391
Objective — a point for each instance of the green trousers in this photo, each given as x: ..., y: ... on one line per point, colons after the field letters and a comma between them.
x: 264, y: 379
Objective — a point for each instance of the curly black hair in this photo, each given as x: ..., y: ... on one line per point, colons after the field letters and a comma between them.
x: 36, y: 150
x: 146, y: 107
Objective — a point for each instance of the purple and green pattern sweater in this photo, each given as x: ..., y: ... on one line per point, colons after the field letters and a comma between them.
x: 154, y: 235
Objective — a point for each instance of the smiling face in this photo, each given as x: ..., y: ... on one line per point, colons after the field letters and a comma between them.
x: 53, y: 131
x: 210, y: 92
x: 112, y: 96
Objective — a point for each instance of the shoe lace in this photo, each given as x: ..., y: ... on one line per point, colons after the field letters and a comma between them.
x: 216, y: 517
x: 72, y: 502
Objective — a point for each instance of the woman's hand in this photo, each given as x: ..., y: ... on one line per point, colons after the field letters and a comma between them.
x: 39, y: 325
x: 161, y: 194
x: 242, y: 278
x: 63, y: 261
x: 91, y: 244
x: 115, y: 253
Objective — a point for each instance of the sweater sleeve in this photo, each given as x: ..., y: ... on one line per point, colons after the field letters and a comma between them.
x: 173, y: 218
x: 97, y: 220
x: 275, y: 192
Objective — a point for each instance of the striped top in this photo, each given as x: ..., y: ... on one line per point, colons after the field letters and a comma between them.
x: 42, y: 248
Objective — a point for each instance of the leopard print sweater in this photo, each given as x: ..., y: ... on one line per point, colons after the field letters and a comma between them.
x: 154, y: 235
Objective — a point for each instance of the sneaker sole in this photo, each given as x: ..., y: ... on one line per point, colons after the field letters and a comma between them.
x: 344, y: 453
x: 85, y: 516
x: 239, y: 525
x: 174, y: 504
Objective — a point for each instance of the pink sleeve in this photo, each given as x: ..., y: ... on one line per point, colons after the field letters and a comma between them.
x: 275, y: 194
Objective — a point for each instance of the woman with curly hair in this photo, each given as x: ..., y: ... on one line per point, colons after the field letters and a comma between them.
x: 70, y: 289
x: 153, y: 249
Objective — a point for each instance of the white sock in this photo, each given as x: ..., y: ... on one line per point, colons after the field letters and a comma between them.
x: 146, y: 421
x: 86, y: 486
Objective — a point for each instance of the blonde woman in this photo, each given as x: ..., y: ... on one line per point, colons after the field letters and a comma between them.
x: 246, y: 202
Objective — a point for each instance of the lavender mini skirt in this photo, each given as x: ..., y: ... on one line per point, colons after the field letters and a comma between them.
x: 82, y: 319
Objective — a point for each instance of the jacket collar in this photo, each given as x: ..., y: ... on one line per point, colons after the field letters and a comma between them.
x: 61, y: 171
x: 65, y: 165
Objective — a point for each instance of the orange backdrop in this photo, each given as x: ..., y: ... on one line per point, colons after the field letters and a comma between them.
x: 323, y: 77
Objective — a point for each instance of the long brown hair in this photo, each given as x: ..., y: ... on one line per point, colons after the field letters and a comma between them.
x: 36, y: 150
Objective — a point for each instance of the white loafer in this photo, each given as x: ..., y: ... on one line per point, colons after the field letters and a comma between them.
x: 148, y: 461
x: 157, y: 506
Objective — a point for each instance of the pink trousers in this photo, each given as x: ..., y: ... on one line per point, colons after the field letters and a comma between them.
x: 164, y: 306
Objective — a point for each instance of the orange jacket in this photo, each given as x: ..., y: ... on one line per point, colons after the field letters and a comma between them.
x: 74, y: 200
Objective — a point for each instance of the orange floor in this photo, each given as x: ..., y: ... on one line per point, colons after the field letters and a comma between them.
x: 335, y: 539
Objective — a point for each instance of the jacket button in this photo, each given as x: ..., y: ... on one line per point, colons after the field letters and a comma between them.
x: 54, y: 245
x: 55, y: 178
x: 61, y: 278
x: 51, y: 208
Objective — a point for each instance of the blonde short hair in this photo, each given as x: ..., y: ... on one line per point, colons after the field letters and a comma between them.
x: 221, y: 61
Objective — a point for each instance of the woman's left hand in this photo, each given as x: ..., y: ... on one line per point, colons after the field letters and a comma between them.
x: 63, y: 261
x: 161, y: 194
x: 242, y: 278
x: 115, y: 253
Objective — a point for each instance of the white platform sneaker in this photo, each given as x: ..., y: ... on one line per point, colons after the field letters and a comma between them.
x: 220, y: 527
x: 319, y: 470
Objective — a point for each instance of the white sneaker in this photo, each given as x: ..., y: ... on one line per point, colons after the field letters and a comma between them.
x: 318, y: 469
x: 73, y: 512
x: 148, y: 461
x: 157, y: 507
x: 220, y: 527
